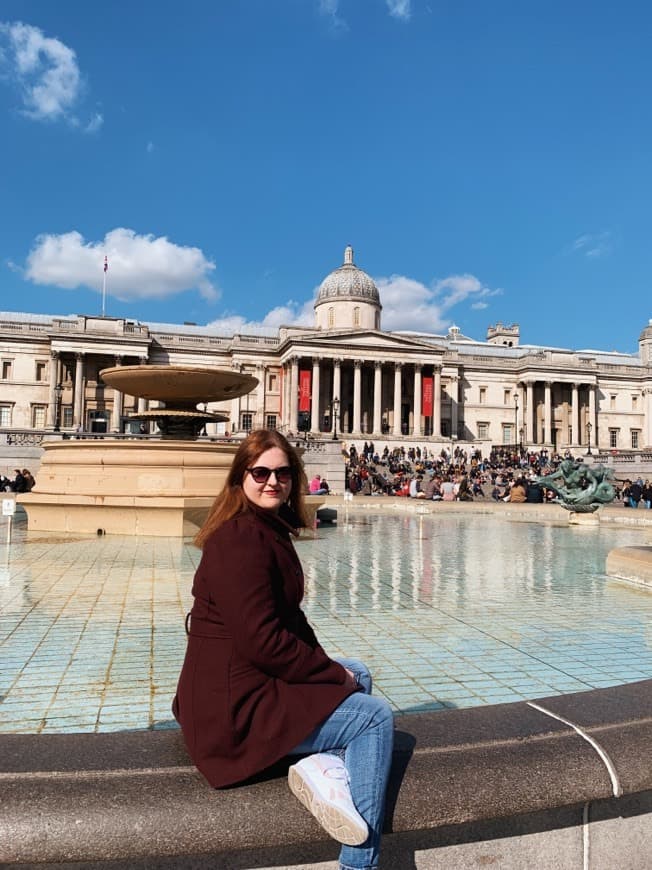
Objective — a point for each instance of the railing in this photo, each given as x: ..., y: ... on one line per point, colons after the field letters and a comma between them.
x: 24, y: 437
x: 35, y: 437
x: 8, y: 326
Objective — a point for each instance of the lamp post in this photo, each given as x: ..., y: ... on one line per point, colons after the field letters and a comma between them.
x: 58, y: 391
x: 515, y: 416
x: 520, y: 439
x: 589, y: 427
x: 335, y: 404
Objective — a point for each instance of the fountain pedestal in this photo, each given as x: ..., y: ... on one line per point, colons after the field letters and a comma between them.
x: 162, y: 488
x: 144, y: 486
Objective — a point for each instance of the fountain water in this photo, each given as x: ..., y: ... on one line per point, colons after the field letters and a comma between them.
x: 141, y: 486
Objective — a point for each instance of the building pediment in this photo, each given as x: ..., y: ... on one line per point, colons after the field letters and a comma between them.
x: 346, y: 342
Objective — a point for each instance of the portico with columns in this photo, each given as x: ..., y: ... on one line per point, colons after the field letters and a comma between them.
x: 376, y: 396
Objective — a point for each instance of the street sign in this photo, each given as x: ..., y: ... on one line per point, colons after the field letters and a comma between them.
x: 8, y: 507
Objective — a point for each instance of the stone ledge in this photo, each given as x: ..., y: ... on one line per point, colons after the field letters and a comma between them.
x: 124, y: 798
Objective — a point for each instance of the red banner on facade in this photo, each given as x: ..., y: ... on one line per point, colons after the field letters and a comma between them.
x: 426, y: 396
x: 304, y: 390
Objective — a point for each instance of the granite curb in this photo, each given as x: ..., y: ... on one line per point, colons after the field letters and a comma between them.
x: 130, y: 797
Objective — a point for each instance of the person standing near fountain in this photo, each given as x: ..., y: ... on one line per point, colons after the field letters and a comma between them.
x: 256, y: 684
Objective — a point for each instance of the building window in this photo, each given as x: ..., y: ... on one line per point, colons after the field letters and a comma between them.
x: 271, y: 383
x: 635, y: 434
x: 634, y: 403
x: 613, y: 437
x: 483, y: 395
x: 331, y: 316
x: 507, y: 400
x: 377, y: 320
x: 612, y: 402
x: 270, y: 421
x: 483, y: 430
x: 247, y: 422
x: 508, y: 434
x: 6, y: 369
x: 5, y: 415
x: 67, y: 416
x: 356, y: 316
x: 40, y: 371
x: 38, y: 416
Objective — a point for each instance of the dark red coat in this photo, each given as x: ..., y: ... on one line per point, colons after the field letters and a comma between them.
x: 255, y: 681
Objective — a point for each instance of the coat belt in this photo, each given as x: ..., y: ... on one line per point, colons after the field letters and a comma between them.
x: 196, y: 627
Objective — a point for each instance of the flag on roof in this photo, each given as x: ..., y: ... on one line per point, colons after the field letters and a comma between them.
x: 106, y: 264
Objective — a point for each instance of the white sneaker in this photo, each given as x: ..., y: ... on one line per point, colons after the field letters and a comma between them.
x: 321, y: 783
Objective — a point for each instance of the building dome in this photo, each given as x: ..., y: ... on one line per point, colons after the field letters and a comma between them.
x: 348, y: 282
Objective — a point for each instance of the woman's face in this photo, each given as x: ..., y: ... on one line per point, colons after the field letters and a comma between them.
x: 269, y: 494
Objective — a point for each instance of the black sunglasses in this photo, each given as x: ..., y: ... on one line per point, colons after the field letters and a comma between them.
x: 261, y: 474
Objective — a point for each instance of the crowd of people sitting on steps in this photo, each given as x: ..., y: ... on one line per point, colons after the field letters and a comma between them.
x: 23, y: 481
x: 462, y: 474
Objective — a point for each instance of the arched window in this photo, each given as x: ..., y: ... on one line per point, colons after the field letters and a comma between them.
x: 331, y: 316
x: 356, y: 316
x: 377, y: 320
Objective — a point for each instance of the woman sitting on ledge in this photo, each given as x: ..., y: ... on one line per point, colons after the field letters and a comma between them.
x: 256, y: 685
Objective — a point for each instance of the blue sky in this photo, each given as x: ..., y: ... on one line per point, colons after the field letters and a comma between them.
x: 487, y: 161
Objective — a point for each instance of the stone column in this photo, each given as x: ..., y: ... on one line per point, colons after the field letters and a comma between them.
x: 593, y: 417
x: 78, y: 401
x: 357, y: 394
x: 142, y: 403
x: 337, y: 386
x: 285, y: 396
x: 294, y: 394
x: 117, y: 403
x: 54, y: 380
x: 436, y: 402
x: 529, y: 426
x: 397, y: 399
x: 416, y: 428
x: 575, y: 415
x: 378, y: 398
x: 647, y: 406
x: 454, y: 391
x: 314, y: 398
x: 261, y: 373
x: 547, y: 414
x: 234, y: 423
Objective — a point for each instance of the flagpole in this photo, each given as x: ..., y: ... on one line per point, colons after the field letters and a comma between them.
x: 106, y: 266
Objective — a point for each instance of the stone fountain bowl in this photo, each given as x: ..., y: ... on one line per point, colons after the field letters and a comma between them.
x: 179, y: 385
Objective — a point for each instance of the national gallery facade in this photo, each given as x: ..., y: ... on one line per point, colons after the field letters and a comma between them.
x: 343, y: 374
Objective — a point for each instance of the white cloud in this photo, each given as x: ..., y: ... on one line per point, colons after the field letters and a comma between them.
x: 593, y: 245
x: 140, y: 267
x: 399, y: 8
x: 290, y: 314
x: 331, y: 9
x: 94, y: 124
x: 46, y: 73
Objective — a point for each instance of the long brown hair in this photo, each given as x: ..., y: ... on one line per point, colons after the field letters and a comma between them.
x: 232, y: 501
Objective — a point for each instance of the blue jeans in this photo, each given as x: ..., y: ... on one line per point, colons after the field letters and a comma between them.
x: 363, y: 726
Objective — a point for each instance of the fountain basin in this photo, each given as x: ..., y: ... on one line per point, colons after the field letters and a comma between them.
x: 157, y: 488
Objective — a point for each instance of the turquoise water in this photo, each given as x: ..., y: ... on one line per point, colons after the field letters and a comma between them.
x: 448, y: 611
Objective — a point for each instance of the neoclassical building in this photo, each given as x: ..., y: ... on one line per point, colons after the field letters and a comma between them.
x: 344, y: 372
